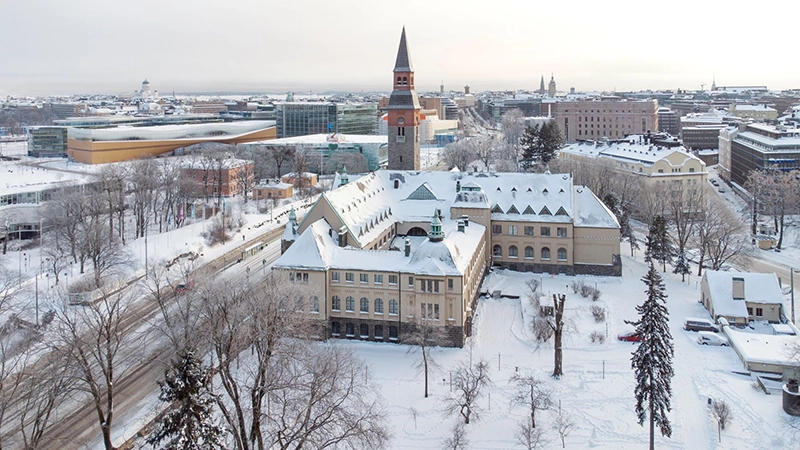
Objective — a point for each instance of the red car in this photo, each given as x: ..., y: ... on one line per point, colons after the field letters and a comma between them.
x: 630, y: 336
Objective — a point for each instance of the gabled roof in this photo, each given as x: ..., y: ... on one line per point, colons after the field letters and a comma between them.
x: 423, y: 192
x: 758, y: 288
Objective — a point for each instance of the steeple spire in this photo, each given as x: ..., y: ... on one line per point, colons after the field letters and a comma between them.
x: 403, y: 62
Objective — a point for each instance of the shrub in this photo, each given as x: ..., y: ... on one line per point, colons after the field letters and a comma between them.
x: 598, y: 312
x: 597, y: 337
x: 576, y: 286
x: 542, y: 330
x: 595, y: 294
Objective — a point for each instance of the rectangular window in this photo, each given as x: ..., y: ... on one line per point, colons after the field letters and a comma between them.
x: 291, y: 277
x: 335, y: 277
x: 436, y: 311
x: 348, y: 277
x: 305, y: 278
x: 528, y: 231
x: 749, y: 311
x: 512, y: 230
x: 759, y: 312
x: 561, y: 232
x: 363, y: 278
x: 450, y: 284
x: 422, y: 285
x: 497, y: 229
x: 378, y: 331
x: 392, y: 279
x: 545, y: 231
x: 422, y: 310
x: 436, y: 286
x: 378, y: 279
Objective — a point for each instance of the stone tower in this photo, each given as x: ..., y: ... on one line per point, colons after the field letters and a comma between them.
x: 541, y: 86
x: 551, y: 89
x: 403, y: 113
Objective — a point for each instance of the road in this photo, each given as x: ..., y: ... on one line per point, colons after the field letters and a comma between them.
x: 138, y: 386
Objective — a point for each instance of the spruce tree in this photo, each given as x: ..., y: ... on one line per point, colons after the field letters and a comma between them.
x: 652, y: 360
x: 682, y: 266
x: 539, y: 144
x: 658, y: 247
x: 529, y: 143
x: 189, y: 422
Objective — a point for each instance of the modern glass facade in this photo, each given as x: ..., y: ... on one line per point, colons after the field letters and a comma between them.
x: 304, y: 118
x: 47, y: 141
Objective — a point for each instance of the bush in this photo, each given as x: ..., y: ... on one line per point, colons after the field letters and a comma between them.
x: 597, y: 337
x: 576, y: 286
x: 586, y: 291
x: 595, y: 294
x: 542, y: 330
x: 598, y: 312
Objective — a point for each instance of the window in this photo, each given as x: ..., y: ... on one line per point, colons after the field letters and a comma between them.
x: 450, y: 284
x: 348, y: 277
x: 392, y: 333
x: 497, y: 229
x: 336, y: 329
x: 562, y: 254
x: 336, y: 303
x: 349, y: 304
x: 363, y: 278
x: 528, y: 231
x: 304, y: 277
x: 378, y: 306
x: 429, y: 311
x: 364, y: 305
x: 529, y: 252
x: 561, y: 232
x: 749, y: 311
x: 291, y: 277
x: 759, y: 312
x: 512, y: 230
x: 545, y: 231
x: 545, y: 253
x: 314, y: 304
x: 350, y: 330
x: 378, y: 279
x: 411, y: 282
x: 392, y: 279
x: 393, y: 309
x: 497, y: 251
x: 512, y: 251
x: 364, y: 329
x: 378, y: 331
x: 436, y: 286
x: 335, y: 277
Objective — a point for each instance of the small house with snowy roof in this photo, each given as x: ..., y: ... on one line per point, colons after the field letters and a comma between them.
x: 740, y: 297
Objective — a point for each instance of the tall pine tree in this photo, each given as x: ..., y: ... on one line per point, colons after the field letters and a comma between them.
x: 682, y: 266
x: 658, y: 247
x: 189, y: 422
x: 652, y: 360
x: 540, y: 143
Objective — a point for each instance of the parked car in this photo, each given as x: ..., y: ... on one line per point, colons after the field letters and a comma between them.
x: 709, y: 338
x: 698, y: 324
x: 630, y: 336
x: 181, y: 288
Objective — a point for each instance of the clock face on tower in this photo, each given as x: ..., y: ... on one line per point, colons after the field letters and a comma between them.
x: 401, y: 121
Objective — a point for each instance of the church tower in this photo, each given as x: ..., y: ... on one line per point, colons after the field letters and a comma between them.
x: 403, y: 113
x: 541, y: 86
x: 551, y: 89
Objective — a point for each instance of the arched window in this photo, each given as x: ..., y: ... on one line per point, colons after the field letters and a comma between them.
x: 529, y: 252
x: 336, y: 303
x: 364, y: 305
x: 393, y: 310
x: 512, y: 251
x: 399, y: 81
x: 545, y: 253
x: 349, y: 304
x: 378, y: 306
x: 562, y: 254
x: 497, y: 251
x: 315, y: 304
x: 405, y: 81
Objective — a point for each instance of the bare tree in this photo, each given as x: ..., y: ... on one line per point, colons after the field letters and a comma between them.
x: 99, y: 344
x: 513, y: 127
x: 722, y: 412
x: 424, y: 336
x: 557, y: 324
x: 355, y: 162
x: 563, y: 425
x: 460, y: 154
x: 776, y: 194
x: 531, y: 392
x: 722, y: 237
x: 114, y: 180
x: 469, y: 383
x: 528, y: 437
x: 45, y: 391
x: 685, y: 207
x: 281, y: 155
x: 244, y: 177
x: 488, y: 152
x: 457, y: 439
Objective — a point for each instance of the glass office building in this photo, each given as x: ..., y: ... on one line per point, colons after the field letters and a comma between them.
x: 304, y: 118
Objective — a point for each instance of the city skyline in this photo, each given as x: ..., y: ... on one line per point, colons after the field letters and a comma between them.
x: 250, y: 46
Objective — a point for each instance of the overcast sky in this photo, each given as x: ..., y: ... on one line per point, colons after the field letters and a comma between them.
x: 104, y: 46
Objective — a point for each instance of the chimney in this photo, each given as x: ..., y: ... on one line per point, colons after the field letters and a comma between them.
x: 738, y: 288
x: 465, y: 218
x: 343, y: 237
x: 458, y: 185
x: 461, y: 226
x: 408, y: 247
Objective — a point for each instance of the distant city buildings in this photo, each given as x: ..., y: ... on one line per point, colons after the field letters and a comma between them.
x: 607, y: 117
x: 304, y: 118
x: 668, y: 121
x: 761, y: 146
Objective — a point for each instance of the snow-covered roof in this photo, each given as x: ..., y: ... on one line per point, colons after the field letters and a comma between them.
x: 758, y: 288
x: 317, y: 249
x: 18, y: 178
x: 327, y: 138
x: 629, y: 150
x: 764, y: 348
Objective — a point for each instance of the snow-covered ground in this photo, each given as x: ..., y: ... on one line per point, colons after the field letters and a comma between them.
x: 598, y: 383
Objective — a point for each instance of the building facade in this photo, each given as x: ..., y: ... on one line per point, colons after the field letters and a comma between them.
x: 760, y: 146
x: 403, y: 113
x: 304, y: 118
x: 47, y: 141
x: 668, y: 121
x: 611, y: 118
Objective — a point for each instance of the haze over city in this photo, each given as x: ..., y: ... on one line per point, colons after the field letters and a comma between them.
x: 86, y: 46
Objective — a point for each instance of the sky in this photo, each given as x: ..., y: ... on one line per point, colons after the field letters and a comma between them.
x: 52, y: 47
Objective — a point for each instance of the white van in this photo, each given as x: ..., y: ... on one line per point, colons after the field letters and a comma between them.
x: 709, y: 338
x: 699, y: 324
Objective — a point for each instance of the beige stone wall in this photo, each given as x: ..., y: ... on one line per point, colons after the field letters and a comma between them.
x: 595, y: 245
x: 538, y: 241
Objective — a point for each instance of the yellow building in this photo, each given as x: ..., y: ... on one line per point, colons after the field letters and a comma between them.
x: 383, y: 252
x: 106, y: 145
